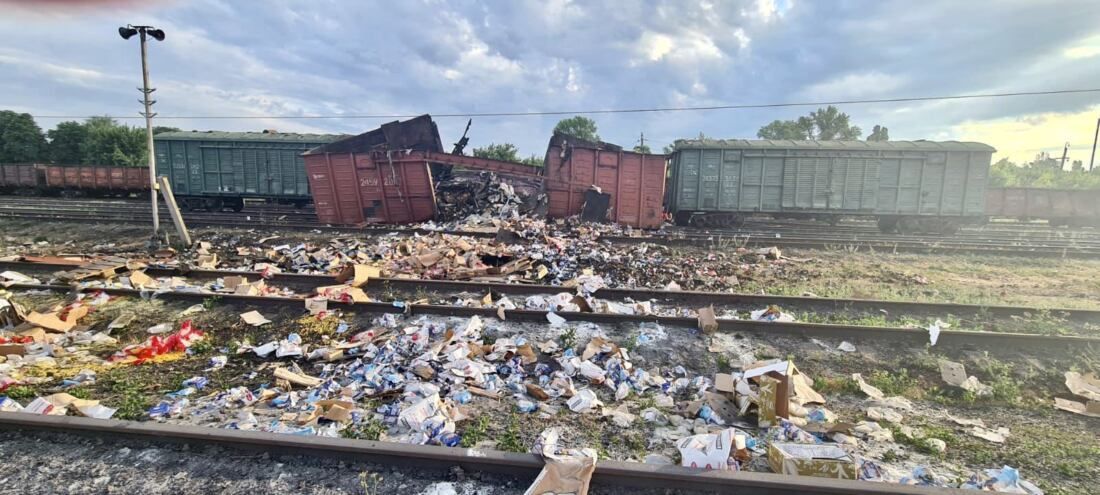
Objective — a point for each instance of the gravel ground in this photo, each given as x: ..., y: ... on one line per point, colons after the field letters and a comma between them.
x: 42, y: 462
x: 55, y: 463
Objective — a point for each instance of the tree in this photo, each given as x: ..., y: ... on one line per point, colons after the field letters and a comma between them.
x: 109, y: 143
x: 503, y: 151
x: 534, y: 161
x: 879, y: 133
x: 65, y: 142
x: 1043, y: 172
x: 799, y: 130
x: 579, y: 127
x: 822, y: 124
x: 157, y: 129
x: 642, y: 148
x: 834, y: 124
x: 21, y: 140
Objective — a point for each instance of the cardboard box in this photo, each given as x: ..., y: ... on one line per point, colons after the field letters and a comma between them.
x: 807, y: 459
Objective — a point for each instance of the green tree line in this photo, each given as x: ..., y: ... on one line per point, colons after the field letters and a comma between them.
x: 1043, y: 172
x: 96, y: 141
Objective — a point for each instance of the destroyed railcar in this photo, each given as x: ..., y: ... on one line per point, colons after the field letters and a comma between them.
x: 390, y: 175
x: 634, y: 183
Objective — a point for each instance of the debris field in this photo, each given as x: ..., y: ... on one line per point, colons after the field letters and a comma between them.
x: 310, y: 362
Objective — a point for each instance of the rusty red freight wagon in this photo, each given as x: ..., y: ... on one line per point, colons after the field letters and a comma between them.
x: 369, y: 178
x: 634, y: 181
x: 93, y: 178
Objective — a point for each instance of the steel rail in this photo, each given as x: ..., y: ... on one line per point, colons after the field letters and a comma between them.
x: 936, y: 246
x: 442, y: 459
x: 914, y: 336
x: 696, y: 298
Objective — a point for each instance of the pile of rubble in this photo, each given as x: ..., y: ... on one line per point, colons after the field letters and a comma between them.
x: 474, y: 199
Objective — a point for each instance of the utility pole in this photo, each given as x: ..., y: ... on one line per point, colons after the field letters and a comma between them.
x: 127, y: 32
x: 641, y: 141
x: 1095, y: 135
x: 1065, y: 150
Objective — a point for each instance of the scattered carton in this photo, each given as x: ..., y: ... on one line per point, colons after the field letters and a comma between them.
x: 708, y: 323
x: 358, y: 275
x: 254, y: 318
x: 707, y: 451
x: 820, y: 460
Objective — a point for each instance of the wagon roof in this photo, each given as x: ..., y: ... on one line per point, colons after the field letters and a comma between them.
x: 282, y: 137
x: 835, y: 145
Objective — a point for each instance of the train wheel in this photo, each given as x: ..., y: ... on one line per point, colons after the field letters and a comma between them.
x: 887, y: 225
x: 213, y: 204
x: 833, y: 220
x: 948, y: 227
x: 236, y: 204
x: 908, y: 225
x: 682, y: 218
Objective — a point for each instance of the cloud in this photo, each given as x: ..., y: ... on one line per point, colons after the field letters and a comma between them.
x: 374, y: 57
x: 855, y: 85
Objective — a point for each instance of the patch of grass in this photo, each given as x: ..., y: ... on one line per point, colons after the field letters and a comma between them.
x: 475, y: 432
x: 893, y: 383
x: 202, y: 347
x: 211, y: 302
x: 370, y: 482
x: 368, y: 430
x: 723, y: 362
x: 510, y: 440
x: 921, y: 441
x: 646, y: 401
x: 309, y: 325
x: 21, y: 392
x: 568, y: 339
x: 635, y: 442
x: 80, y: 392
x: 1061, y: 457
x: 836, y: 385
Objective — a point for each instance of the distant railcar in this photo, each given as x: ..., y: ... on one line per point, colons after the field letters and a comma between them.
x: 214, y: 170
x: 906, y: 185
x: 1060, y: 207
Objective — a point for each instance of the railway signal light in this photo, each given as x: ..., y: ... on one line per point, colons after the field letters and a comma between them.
x: 127, y: 32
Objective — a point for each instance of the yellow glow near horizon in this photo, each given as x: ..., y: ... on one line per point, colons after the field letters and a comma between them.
x: 1021, y: 138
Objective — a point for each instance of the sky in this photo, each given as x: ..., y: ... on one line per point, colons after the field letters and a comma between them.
x: 277, y: 58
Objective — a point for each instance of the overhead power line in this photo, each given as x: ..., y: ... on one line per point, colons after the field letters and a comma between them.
x: 603, y: 111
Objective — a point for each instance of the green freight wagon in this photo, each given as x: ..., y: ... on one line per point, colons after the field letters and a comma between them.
x: 214, y: 170
x: 907, y: 185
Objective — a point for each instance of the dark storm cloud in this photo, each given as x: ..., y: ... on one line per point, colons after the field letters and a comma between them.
x: 329, y: 57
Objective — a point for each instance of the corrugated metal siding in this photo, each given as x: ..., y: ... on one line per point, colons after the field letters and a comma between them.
x: 917, y: 179
x: 635, y: 181
x: 352, y: 189
x: 234, y: 168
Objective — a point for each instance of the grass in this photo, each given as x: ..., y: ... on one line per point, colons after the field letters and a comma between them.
x: 893, y: 383
x: 21, y: 392
x: 368, y: 430
x: 568, y: 339
x: 1044, y: 453
x: 510, y: 440
x: 836, y: 385
x: 981, y: 280
x: 476, y: 432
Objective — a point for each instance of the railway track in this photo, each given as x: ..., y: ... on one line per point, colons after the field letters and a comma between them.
x: 936, y: 245
x: 691, y: 299
x: 1036, y: 343
x: 426, y: 457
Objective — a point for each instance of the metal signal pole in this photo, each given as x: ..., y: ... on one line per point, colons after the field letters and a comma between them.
x: 157, y: 34
x: 1095, y: 135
